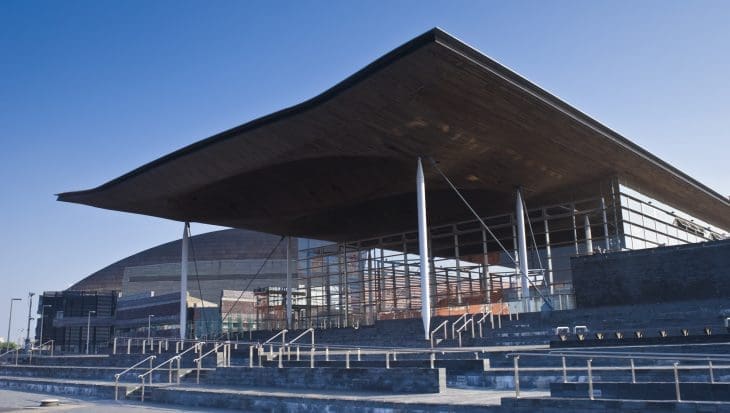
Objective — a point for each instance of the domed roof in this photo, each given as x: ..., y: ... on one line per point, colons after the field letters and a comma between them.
x: 229, y: 244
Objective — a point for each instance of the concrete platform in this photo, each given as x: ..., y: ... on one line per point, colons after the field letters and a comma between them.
x: 253, y: 400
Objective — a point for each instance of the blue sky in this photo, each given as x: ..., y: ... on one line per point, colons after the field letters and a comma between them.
x: 92, y: 89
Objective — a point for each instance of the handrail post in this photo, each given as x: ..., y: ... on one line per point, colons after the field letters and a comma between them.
x: 141, y: 397
x: 311, y: 358
x: 358, y: 354
x: 517, y: 376
x: 347, y: 359
x: 565, y: 371
x: 432, y: 358
x: 387, y: 360
x: 676, y: 382
x: 114, y: 347
x: 633, y: 372
x: 116, y: 387
x: 177, y: 374
x: 197, y: 371
x: 129, y: 346
x: 297, y: 352
x: 712, y: 374
x: 250, y: 356
x: 281, y: 356
x: 590, y: 379
x: 326, y: 354
x: 144, y: 345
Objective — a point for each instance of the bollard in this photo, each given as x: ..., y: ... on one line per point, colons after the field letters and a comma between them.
x: 565, y: 371
x: 676, y: 382
x: 633, y: 372
x: 517, y: 376
x: 590, y: 379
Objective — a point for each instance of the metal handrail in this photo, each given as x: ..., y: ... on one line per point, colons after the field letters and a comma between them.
x: 169, y: 361
x: 281, y: 333
x: 621, y: 356
x: 198, y: 361
x: 40, y: 346
x: 446, y: 331
x: 463, y: 327
x: 453, y: 325
x: 481, y: 321
x: 120, y: 374
x: 309, y: 330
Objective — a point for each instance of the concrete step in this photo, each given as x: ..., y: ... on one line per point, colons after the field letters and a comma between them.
x: 78, y: 388
x: 570, y: 405
x: 689, y: 391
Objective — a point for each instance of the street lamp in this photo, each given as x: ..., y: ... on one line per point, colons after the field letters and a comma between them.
x: 28, y: 344
x: 88, y: 329
x: 149, y: 326
x: 10, y: 320
x: 43, y: 320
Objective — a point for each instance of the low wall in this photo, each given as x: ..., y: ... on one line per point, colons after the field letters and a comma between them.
x: 666, y: 274
x: 645, y: 391
x: 401, y: 380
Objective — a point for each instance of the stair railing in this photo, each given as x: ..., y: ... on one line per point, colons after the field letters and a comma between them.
x: 199, y: 361
x: 281, y: 333
x: 120, y: 374
x: 589, y: 356
x: 440, y: 326
x: 453, y: 325
x: 469, y: 321
x: 196, y: 347
x: 482, y: 320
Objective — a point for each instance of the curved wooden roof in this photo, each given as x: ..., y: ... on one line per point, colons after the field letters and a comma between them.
x: 342, y: 165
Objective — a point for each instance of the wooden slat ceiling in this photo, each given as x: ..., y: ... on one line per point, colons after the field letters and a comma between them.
x: 342, y: 165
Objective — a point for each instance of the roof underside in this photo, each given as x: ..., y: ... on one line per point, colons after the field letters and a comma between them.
x: 342, y: 165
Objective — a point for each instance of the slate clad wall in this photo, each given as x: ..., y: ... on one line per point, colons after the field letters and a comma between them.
x: 665, y: 274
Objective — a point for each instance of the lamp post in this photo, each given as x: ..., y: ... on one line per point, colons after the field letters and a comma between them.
x: 10, y: 320
x: 27, y: 332
x: 149, y: 326
x: 88, y: 329
x: 43, y: 320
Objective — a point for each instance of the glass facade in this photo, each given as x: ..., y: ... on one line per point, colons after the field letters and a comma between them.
x: 473, y: 268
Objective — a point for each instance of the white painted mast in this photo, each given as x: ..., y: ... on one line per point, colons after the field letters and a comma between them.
x: 522, y: 248
x: 423, y: 250
x: 184, y: 282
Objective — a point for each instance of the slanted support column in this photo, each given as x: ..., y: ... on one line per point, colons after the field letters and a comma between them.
x: 605, y: 224
x: 288, y: 284
x: 423, y: 250
x: 589, y: 236
x: 522, y: 247
x: 184, y: 282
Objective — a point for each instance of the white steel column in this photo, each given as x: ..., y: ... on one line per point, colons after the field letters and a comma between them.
x: 423, y: 250
x: 605, y: 224
x: 288, y: 284
x: 589, y: 236
x: 522, y: 247
x: 184, y: 282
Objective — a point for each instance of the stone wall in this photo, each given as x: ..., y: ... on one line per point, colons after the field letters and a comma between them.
x: 666, y: 274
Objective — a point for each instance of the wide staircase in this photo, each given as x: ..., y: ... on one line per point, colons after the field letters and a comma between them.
x: 517, y: 364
